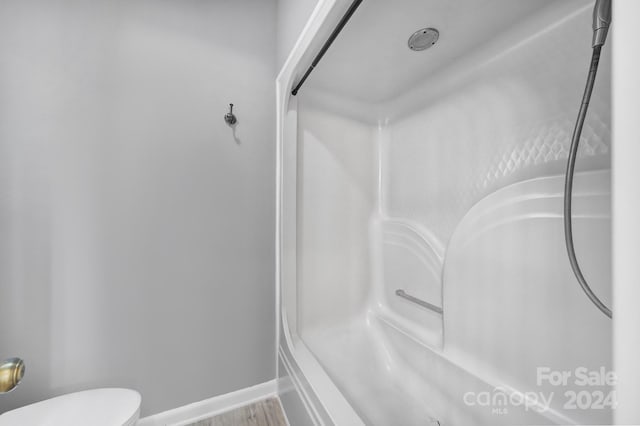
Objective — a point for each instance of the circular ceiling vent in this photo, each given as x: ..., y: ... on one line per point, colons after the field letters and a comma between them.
x: 423, y: 39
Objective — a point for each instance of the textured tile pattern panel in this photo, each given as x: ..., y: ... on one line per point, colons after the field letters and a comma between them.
x: 508, y: 119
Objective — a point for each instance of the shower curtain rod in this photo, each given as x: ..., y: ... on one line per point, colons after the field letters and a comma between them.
x: 327, y: 44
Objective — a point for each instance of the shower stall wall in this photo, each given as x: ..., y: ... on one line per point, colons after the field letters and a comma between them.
x: 422, y: 268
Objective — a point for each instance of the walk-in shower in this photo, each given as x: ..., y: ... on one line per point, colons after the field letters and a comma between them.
x: 423, y: 273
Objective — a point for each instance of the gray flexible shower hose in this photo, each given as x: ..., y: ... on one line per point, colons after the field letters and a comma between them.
x: 568, y: 184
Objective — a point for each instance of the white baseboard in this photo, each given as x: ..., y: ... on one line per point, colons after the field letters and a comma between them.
x: 213, y: 406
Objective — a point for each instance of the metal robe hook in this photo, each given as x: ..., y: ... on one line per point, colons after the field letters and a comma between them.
x: 229, y: 117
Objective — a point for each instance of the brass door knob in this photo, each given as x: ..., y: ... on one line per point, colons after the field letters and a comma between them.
x: 11, y: 373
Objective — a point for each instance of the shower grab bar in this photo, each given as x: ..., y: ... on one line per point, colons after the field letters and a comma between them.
x: 410, y: 298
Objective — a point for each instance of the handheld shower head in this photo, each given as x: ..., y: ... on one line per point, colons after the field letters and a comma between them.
x: 601, y: 21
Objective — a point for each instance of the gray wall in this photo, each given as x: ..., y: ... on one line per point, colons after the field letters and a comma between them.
x: 136, y: 229
x: 292, y: 17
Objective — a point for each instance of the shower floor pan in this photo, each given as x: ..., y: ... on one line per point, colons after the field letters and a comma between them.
x: 390, y: 378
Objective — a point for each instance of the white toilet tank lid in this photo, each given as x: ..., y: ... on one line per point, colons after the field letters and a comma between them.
x: 97, y: 407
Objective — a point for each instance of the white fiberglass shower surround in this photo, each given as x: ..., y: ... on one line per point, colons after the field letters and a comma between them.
x: 423, y: 277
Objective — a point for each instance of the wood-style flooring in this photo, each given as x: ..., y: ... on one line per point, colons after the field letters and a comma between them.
x: 262, y: 413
